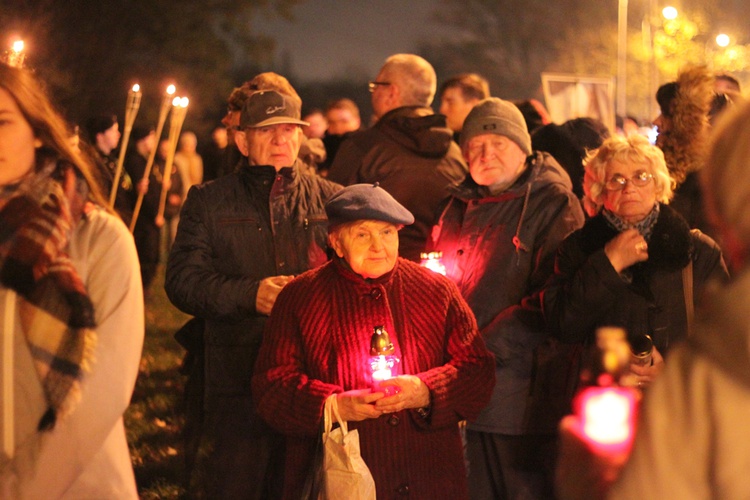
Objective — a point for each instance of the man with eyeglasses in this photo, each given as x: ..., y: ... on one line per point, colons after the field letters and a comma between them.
x: 240, y: 240
x: 498, y: 236
x: 409, y: 150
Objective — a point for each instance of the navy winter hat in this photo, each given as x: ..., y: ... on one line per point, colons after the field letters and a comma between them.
x: 366, y: 202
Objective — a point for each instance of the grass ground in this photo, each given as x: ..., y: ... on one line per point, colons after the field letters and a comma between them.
x: 155, y: 418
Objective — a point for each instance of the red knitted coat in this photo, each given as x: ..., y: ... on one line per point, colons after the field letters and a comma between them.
x: 317, y: 343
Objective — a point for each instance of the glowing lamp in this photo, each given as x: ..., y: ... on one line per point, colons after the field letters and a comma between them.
x: 433, y: 261
x: 607, y: 418
x: 382, y: 363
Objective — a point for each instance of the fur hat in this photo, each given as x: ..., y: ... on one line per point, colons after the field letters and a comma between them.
x: 365, y: 202
x: 495, y: 116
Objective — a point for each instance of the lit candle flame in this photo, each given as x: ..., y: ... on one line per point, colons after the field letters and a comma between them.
x: 171, y: 89
x: 184, y: 102
x: 381, y: 369
x: 434, y: 262
x: 176, y: 101
x: 136, y: 88
x: 18, y: 46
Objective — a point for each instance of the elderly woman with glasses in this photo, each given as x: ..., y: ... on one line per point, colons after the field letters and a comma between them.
x: 635, y: 263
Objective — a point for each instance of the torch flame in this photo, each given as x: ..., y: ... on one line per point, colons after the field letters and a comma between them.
x: 18, y: 46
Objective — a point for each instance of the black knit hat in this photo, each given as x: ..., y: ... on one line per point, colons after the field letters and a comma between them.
x: 365, y: 202
x: 665, y: 95
x: 98, y: 124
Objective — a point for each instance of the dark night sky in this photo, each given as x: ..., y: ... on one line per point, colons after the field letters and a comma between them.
x: 329, y: 38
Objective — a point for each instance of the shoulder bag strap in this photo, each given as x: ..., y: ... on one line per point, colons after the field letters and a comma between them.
x: 687, y: 287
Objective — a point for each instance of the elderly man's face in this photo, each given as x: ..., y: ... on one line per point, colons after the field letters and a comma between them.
x: 276, y: 145
x: 370, y: 247
x: 494, y: 160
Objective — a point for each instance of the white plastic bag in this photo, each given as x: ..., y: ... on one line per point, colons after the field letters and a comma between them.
x: 346, y: 475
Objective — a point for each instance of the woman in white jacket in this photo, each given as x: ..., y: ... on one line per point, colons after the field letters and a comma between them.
x: 71, y: 307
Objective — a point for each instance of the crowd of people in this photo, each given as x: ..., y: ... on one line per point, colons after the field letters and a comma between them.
x: 293, y: 236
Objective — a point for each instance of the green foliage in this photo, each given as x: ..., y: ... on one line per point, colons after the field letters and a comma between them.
x: 155, y: 417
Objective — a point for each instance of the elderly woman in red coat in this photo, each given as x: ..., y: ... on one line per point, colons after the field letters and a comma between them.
x: 317, y: 344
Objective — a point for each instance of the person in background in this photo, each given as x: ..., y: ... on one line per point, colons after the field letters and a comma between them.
x: 498, y: 235
x: 189, y: 162
x: 241, y: 239
x: 104, y: 136
x: 635, y: 264
x: 683, y: 130
x: 724, y: 83
x: 534, y: 114
x: 146, y: 232
x: 319, y: 337
x: 215, y: 154
x: 409, y: 151
x: 569, y: 144
x: 343, y: 119
x: 458, y: 95
x: 318, y: 124
x: 71, y: 299
x: 691, y: 435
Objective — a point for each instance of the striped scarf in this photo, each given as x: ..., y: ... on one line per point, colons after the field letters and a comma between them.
x: 56, y: 314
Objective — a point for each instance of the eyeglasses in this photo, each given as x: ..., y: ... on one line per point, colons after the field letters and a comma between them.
x: 373, y: 85
x: 618, y: 182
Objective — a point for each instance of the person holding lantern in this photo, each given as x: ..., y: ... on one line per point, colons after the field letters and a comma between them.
x: 498, y: 234
x: 318, y: 343
x: 72, y: 309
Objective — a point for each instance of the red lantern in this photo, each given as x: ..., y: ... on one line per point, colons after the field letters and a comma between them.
x: 433, y: 261
x: 382, y: 363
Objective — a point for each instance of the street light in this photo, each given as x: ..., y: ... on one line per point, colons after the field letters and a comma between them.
x: 669, y: 12
x: 622, y: 51
x: 722, y: 40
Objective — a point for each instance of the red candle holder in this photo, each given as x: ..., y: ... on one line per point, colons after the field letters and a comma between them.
x: 382, y: 363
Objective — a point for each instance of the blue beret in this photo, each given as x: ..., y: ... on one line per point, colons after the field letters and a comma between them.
x: 366, y: 202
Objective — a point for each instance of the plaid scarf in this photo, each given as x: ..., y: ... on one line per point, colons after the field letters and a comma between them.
x: 56, y: 314
x: 645, y: 227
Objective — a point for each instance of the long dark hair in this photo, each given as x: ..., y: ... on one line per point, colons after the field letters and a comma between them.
x: 48, y: 126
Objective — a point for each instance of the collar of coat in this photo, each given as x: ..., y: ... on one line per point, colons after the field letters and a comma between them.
x: 669, y: 249
x: 258, y: 173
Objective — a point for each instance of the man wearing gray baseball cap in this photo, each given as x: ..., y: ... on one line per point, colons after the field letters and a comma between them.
x: 498, y: 235
x: 241, y: 239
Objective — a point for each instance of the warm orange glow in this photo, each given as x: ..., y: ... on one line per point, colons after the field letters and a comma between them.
x: 18, y: 46
x: 184, y: 102
x: 176, y: 101
x: 433, y: 261
x: 136, y: 88
x: 669, y: 13
x: 722, y: 40
x: 171, y: 89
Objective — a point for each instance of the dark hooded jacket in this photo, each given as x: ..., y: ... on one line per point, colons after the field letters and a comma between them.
x: 410, y: 152
x: 499, y: 250
x: 586, y: 292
